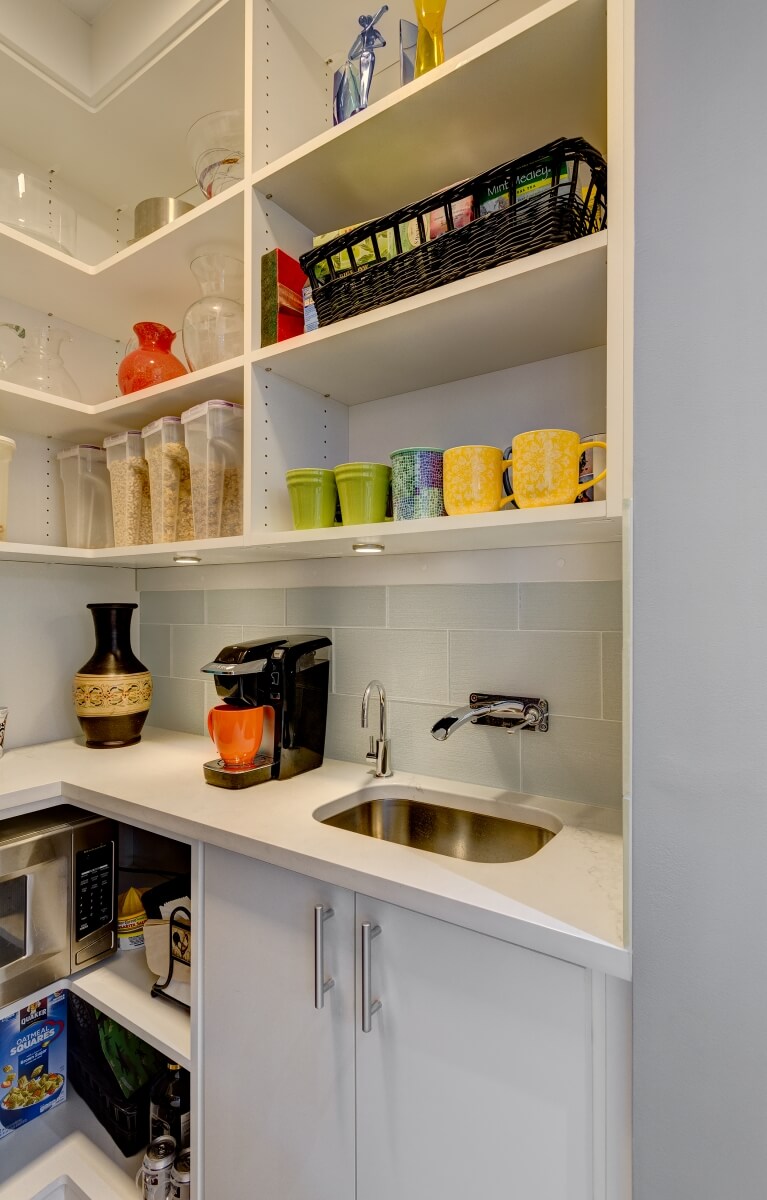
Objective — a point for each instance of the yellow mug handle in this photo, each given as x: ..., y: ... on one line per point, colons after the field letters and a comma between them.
x: 506, y: 499
x: 598, y: 479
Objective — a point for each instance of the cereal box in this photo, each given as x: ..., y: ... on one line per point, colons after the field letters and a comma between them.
x: 33, y: 1060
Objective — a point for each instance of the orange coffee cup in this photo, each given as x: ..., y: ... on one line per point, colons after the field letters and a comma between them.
x: 237, y: 733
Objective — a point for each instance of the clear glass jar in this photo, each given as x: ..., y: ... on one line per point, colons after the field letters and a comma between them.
x: 214, y: 326
x: 40, y: 365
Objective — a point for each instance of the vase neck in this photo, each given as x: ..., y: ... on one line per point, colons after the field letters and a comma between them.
x: 112, y: 624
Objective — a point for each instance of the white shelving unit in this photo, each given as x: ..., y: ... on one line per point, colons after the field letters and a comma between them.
x: 541, y: 72
x: 121, y: 987
x: 68, y: 1145
x: 537, y: 79
x: 151, y: 277
x: 535, y: 308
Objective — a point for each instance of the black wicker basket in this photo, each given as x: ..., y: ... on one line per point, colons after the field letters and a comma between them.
x: 567, y: 199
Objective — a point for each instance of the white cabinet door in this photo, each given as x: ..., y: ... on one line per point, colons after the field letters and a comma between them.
x: 475, y: 1079
x: 278, y: 1073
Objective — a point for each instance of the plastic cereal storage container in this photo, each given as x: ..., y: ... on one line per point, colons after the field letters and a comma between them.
x: 87, y: 496
x: 214, y: 435
x: 169, y: 483
x: 129, y: 477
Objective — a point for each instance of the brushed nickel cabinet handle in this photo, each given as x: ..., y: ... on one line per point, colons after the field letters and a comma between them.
x: 369, y: 1005
x: 321, y: 984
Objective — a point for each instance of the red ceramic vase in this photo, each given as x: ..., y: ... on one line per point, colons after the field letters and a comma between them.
x: 152, y: 362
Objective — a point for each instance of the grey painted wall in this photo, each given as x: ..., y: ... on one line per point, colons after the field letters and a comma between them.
x: 700, y: 648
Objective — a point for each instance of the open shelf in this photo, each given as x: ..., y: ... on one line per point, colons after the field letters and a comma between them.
x: 28, y: 411
x: 150, y: 280
x: 120, y: 987
x: 131, y: 145
x: 458, y: 120
x: 565, y: 525
x: 551, y: 303
x: 68, y: 1142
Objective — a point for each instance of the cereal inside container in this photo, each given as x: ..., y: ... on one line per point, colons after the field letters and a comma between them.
x: 87, y: 497
x: 129, y: 477
x: 169, y: 481
x: 214, y: 438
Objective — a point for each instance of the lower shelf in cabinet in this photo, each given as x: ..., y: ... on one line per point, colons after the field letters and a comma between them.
x: 564, y: 525
x: 67, y: 1143
x: 120, y: 987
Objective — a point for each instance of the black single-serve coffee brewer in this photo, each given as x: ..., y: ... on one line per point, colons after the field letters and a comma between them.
x: 289, y: 679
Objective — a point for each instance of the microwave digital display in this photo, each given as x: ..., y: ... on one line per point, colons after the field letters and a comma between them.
x: 93, y: 888
x: 13, y: 919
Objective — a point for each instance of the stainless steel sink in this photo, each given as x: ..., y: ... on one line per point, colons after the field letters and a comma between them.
x: 455, y: 832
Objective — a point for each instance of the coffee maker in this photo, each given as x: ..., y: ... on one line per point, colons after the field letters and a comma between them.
x: 289, y: 677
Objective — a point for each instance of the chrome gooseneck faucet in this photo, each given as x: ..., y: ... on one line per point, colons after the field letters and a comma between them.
x: 380, y: 747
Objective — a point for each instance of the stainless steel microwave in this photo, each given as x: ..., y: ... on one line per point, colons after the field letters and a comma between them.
x: 58, y: 897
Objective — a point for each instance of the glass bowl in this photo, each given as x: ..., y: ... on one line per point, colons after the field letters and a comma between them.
x: 28, y: 205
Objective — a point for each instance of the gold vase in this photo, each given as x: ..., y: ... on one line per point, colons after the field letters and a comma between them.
x: 430, y: 48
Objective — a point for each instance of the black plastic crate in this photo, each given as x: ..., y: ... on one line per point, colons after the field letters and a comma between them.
x: 555, y: 214
x: 125, y: 1120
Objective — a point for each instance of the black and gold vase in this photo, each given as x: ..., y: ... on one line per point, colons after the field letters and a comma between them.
x: 113, y: 690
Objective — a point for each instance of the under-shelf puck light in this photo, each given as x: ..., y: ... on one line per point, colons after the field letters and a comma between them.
x: 367, y: 547
x: 187, y: 560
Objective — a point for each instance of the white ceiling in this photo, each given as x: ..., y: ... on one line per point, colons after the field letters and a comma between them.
x: 87, y: 9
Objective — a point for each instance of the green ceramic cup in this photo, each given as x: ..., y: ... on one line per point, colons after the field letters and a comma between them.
x: 363, y: 489
x: 312, y: 497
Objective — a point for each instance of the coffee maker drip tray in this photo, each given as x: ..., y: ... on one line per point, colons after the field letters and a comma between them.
x: 259, y: 771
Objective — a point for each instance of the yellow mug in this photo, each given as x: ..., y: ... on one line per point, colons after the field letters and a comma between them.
x: 472, y: 479
x: 546, y: 465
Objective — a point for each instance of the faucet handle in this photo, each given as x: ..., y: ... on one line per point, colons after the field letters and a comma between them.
x: 372, y: 753
x: 533, y: 711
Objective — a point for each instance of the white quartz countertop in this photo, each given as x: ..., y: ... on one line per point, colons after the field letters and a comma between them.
x: 566, y: 900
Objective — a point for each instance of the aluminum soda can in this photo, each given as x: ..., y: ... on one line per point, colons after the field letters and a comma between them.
x: 181, y: 1177
x: 154, y: 1174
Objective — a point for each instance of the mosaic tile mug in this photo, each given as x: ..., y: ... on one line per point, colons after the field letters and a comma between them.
x: 546, y: 467
x: 417, y: 483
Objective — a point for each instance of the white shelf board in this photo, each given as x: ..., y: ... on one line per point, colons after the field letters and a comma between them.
x: 133, y: 145
x: 67, y: 1142
x: 540, y: 78
x: 120, y: 987
x: 27, y: 411
x: 560, y: 526
x: 149, y: 281
x: 551, y: 303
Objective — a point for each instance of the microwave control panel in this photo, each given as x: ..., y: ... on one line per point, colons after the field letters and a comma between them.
x: 94, y: 888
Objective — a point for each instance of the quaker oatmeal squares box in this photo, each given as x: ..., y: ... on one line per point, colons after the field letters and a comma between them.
x: 33, y: 1060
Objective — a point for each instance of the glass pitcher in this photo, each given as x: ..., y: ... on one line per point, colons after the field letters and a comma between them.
x: 40, y: 365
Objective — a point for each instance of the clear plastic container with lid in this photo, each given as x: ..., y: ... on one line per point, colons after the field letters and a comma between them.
x: 7, y: 450
x: 214, y: 439
x: 87, y: 497
x: 129, y: 477
x: 169, y: 482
